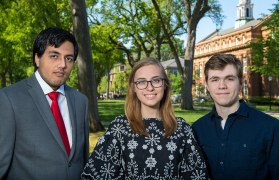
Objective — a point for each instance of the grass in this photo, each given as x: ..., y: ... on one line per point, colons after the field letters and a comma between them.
x: 190, y: 116
x: 109, y: 109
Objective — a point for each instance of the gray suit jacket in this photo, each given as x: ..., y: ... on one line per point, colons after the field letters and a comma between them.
x: 30, y: 143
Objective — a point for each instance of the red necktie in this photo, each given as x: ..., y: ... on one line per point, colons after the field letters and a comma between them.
x: 59, y: 120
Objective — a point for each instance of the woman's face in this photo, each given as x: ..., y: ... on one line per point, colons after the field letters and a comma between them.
x: 149, y: 86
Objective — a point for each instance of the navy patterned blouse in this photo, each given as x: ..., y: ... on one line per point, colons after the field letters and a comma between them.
x: 123, y: 154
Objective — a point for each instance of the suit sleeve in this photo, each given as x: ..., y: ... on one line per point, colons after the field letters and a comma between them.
x: 86, y: 132
x: 7, y: 133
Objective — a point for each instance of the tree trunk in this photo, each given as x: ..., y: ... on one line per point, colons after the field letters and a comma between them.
x: 186, y: 94
x: 193, y: 17
x: 86, y: 74
x: 3, y: 80
x: 187, y: 97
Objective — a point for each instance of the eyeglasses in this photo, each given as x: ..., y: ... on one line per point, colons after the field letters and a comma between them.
x: 156, y: 83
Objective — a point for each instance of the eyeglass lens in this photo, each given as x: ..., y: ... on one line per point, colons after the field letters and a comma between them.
x: 156, y: 83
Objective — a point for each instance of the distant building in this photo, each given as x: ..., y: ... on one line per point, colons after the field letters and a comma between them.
x: 116, y: 69
x: 170, y: 65
x: 236, y: 41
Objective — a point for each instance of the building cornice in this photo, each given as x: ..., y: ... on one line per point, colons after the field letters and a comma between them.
x: 223, y: 50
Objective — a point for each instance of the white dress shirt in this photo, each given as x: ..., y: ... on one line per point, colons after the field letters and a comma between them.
x: 62, y: 102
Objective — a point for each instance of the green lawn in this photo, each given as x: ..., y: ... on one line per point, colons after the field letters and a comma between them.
x: 108, y: 109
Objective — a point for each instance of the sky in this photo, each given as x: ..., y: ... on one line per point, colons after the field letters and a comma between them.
x: 206, y: 26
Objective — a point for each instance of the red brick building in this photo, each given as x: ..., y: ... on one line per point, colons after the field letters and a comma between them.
x: 236, y: 41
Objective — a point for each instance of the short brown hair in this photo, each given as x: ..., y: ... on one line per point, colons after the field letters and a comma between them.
x: 220, y: 61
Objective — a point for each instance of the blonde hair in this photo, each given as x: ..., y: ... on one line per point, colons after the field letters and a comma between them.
x: 133, y: 104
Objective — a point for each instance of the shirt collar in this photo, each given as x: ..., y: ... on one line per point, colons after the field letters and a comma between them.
x: 242, y: 110
x: 46, y: 88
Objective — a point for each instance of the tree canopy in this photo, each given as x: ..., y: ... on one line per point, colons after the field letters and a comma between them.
x: 265, y: 50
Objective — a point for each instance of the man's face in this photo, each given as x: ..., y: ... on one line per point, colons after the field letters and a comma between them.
x: 56, y: 64
x: 224, y: 86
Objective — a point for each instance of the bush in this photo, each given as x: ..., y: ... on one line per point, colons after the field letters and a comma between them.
x: 263, y: 101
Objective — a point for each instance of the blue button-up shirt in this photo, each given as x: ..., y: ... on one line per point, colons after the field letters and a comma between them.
x: 246, y: 149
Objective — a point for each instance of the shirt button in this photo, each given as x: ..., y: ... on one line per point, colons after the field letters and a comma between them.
x: 222, y: 144
x: 221, y: 163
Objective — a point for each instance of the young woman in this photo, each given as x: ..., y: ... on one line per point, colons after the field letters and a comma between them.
x: 148, y: 142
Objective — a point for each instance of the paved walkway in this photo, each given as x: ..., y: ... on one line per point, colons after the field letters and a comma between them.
x: 275, y: 114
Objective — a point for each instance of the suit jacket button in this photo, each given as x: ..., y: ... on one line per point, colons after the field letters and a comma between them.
x: 69, y: 165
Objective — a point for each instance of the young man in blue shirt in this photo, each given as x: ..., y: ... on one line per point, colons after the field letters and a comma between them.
x: 239, y: 142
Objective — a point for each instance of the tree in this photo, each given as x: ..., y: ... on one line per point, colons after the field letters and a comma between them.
x: 86, y: 75
x: 265, y: 51
x: 136, y: 22
x: 194, y: 11
x: 105, y: 56
x: 166, y: 52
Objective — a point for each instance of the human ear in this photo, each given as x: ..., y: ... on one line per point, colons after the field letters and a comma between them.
x: 37, y: 60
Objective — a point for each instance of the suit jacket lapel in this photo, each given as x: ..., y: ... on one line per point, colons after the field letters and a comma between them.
x: 41, y: 102
x: 72, y: 111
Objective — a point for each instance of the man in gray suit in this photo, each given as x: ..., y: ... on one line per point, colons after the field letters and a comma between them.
x: 31, y: 146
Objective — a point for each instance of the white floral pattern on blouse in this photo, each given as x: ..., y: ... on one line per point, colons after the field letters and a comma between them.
x: 123, y: 154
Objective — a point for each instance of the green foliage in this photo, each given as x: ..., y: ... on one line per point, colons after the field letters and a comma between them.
x: 263, y: 101
x: 120, y: 83
x: 137, y: 30
x: 102, y: 87
x: 105, y: 56
x: 73, y: 78
x: 265, y: 52
x: 176, y: 81
x: 199, y: 87
x: 166, y: 52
